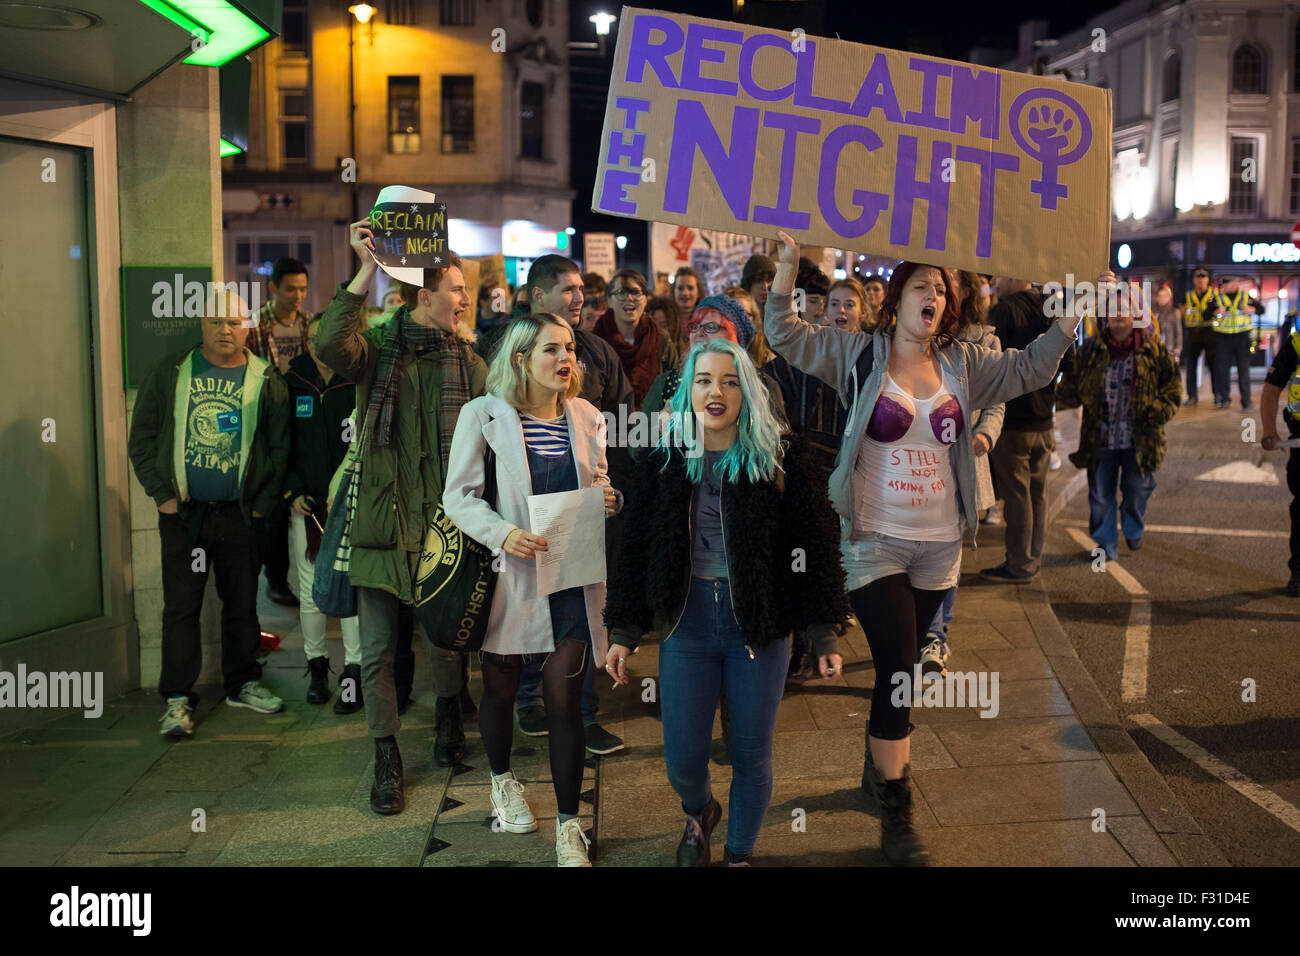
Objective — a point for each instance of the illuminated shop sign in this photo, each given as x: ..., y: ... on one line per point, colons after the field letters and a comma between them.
x: 1265, y: 252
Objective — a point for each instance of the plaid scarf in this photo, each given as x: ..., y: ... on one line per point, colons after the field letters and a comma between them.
x: 403, y: 331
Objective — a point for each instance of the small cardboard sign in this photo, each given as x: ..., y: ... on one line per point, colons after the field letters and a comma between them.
x: 744, y: 129
x: 599, y: 254
x: 410, y: 233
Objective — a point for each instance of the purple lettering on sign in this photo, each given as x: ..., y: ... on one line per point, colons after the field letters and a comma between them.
x: 871, y: 204
x: 643, y: 52
x: 632, y: 149
x: 927, y: 116
x: 631, y: 106
x: 748, y: 82
x: 781, y: 214
x: 877, y: 93
x: 697, y: 54
x: 733, y: 171
x: 989, y: 163
x: 975, y: 96
x: 908, y: 189
x: 805, y: 72
x: 613, y: 193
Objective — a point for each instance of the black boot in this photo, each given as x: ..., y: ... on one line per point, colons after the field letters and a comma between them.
x: 350, y: 699
x: 735, y: 859
x: 318, y: 691
x: 449, y: 745
x: 694, y: 848
x: 387, y: 796
x: 898, y: 837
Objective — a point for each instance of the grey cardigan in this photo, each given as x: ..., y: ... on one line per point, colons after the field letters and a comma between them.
x: 983, y: 378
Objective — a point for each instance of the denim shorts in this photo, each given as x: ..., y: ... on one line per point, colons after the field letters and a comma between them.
x: 931, y: 565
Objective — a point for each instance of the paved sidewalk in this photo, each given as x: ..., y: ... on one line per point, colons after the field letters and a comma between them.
x: 1022, y: 788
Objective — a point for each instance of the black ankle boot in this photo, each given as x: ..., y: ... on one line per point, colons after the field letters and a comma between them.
x: 735, y: 859
x: 898, y: 837
x: 449, y: 744
x: 318, y: 691
x: 349, y: 700
x: 694, y: 848
x: 388, y: 796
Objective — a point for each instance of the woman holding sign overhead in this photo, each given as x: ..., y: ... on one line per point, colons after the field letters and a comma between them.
x: 545, y: 439
x: 904, y: 480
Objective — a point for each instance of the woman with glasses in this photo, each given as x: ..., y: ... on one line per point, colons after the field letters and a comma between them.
x: 634, y: 337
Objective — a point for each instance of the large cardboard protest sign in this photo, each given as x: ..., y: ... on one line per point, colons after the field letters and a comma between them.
x: 744, y: 129
x: 410, y: 233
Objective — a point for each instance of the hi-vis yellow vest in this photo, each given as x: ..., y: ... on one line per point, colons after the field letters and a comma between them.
x: 1293, y: 387
x: 1235, y: 318
x: 1195, y: 308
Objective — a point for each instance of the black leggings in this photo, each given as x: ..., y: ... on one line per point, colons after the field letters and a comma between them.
x: 562, y: 691
x: 895, y: 616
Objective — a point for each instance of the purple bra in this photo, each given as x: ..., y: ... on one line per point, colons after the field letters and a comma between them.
x: 891, y: 420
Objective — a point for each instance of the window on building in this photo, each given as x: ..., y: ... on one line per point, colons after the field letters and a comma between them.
x: 293, y: 127
x: 1248, y: 70
x: 458, y: 114
x: 1171, y: 82
x: 1131, y: 82
x: 403, y: 114
x: 1243, y: 190
x: 456, y: 13
x: 402, y: 13
x: 530, y: 120
x: 1295, y: 175
x: 293, y: 32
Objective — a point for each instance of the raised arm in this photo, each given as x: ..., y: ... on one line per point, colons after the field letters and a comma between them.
x: 339, y: 342
x: 822, y: 350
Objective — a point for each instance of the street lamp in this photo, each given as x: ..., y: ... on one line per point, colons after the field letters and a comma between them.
x: 362, y: 12
x: 602, y: 21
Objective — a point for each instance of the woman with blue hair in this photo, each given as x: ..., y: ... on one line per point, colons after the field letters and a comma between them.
x: 729, y: 547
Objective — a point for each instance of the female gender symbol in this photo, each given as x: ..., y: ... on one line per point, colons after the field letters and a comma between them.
x: 1047, y: 130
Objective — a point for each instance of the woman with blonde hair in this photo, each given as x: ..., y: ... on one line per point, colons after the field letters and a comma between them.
x: 545, y: 439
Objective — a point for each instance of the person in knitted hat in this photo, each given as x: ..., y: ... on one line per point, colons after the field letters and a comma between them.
x: 720, y: 310
x: 757, y: 276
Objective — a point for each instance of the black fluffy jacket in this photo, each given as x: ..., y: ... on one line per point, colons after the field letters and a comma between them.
x: 775, y: 589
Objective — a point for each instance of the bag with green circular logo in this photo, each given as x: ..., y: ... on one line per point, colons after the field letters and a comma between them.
x: 455, y: 580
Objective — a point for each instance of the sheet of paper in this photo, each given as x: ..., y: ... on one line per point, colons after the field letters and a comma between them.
x: 1289, y: 443
x: 573, y: 524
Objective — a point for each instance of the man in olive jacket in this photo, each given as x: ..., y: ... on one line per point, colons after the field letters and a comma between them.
x: 1127, y: 382
x: 412, y: 376
x: 210, y: 445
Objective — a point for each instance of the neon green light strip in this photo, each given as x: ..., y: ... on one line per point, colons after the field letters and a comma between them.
x: 229, y: 149
x: 226, y: 30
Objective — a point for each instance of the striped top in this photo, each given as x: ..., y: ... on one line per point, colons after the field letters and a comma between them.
x: 548, y: 438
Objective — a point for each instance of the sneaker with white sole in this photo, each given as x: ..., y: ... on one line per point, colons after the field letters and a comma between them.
x: 256, y: 697
x: 509, y: 806
x: 571, y: 844
x: 179, y: 719
x: 993, y: 516
x: 934, y: 655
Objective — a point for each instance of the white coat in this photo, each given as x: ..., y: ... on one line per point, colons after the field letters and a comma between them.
x: 520, y: 621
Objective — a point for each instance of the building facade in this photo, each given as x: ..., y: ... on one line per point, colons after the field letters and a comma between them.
x: 1206, y: 137
x: 468, y: 99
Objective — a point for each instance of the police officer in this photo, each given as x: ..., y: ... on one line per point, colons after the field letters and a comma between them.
x: 1198, y: 312
x: 1232, y: 342
x: 1283, y: 379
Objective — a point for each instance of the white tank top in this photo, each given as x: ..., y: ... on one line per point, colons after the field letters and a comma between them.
x: 904, y: 484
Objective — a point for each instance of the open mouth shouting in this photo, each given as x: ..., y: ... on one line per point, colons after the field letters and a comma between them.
x: 928, y: 315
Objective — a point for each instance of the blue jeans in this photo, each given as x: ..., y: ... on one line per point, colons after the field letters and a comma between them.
x: 1117, y: 466
x: 943, y: 617
x: 704, y: 654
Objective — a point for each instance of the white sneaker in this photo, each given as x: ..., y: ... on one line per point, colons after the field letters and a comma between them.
x: 509, y: 806
x: 179, y: 719
x: 571, y: 844
x: 993, y: 515
x: 934, y: 655
x: 256, y: 697
x: 1055, y: 463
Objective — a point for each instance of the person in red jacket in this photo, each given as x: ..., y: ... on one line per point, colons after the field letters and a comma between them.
x: 633, y: 336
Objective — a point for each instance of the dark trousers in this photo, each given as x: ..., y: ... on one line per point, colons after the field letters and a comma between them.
x: 1232, y: 349
x: 275, y: 544
x: 1021, y: 460
x: 1200, y: 339
x: 1293, y: 482
x: 229, y: 548
x: 404, y: 658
